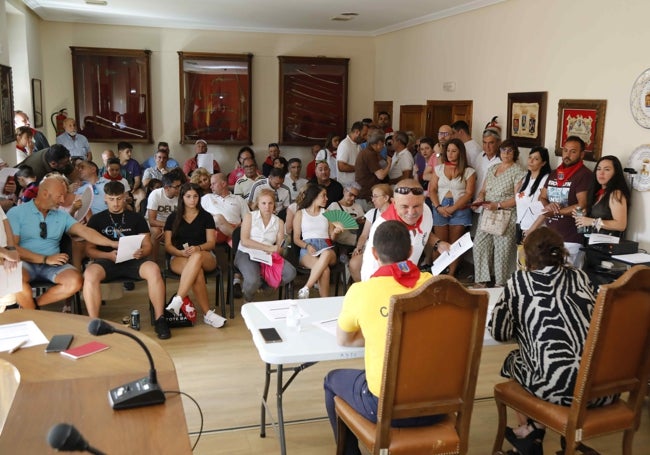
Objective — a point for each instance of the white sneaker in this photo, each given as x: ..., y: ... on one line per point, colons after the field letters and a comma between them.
x: 175, y: 305
x: 213, y: 319
x: 303, y: 293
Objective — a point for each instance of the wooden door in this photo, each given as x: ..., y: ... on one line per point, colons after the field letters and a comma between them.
x: 413, y: 117
x: 445, y: 113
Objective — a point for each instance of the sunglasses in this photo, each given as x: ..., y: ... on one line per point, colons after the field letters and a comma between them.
x: 43, y: 227
x: 295, y: 188
x: 406, y: 190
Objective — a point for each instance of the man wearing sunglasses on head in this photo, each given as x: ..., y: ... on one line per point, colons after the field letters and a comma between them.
x: 407, y: 207
x: 38, y: 228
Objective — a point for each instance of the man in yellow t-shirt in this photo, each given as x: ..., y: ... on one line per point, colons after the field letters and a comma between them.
x: 363, y: 322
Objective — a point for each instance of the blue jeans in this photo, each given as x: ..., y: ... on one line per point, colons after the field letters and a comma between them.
x: 351, y: 386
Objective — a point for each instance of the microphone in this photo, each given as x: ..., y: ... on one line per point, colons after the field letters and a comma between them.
x: 142, y: 392
x: 66, y: 438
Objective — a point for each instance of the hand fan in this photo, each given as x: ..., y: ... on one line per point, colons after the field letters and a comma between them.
x: 344, y: 219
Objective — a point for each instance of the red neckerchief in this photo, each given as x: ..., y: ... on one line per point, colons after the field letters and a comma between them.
x: 405, y: 273
x: 391, y: 214
x: 449, y: 163
x: 600, y: 193
x: 565, y: 173
x: 116, y: 179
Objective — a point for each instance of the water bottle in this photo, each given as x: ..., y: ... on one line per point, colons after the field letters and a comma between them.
x: 293, y: 316
x: 580, y: 213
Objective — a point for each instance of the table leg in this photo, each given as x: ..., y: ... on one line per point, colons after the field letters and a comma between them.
x: 280, y: 391
x: 267, y: 382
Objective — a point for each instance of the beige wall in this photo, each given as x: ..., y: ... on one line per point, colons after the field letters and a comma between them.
x: 165, y: 43
x: 580, y: 49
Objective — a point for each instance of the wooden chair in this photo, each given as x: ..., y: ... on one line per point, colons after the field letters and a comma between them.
x: 433, y: 348
x: 616, y: 359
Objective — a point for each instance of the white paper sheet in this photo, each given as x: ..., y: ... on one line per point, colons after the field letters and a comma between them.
x: 636, y: 258
x: 4, y: 173
x: 127, y: 246
x: 457, y: 249
x: 603, y: 238
x: 12, y: 334
x: 260, y: 256
x: 205, y: 160
x: 328, y: 325
x: 278, y: 309
x: 11, y: 282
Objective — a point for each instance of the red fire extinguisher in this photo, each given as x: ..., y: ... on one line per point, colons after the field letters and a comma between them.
x: 57, y: 119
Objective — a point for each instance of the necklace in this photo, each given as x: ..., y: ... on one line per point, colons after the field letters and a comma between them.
x: 117, y: 227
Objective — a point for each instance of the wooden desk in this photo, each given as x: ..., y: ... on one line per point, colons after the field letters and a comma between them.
x: 39, y: 390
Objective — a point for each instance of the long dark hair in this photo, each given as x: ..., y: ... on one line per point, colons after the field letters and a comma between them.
x: 545, y: 170
x: 309, y: 195
x: 617, y: 184
x: 462, y: 157
x: 180, y: 208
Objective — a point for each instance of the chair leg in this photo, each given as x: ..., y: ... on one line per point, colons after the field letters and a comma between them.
x: 628, y: 436
x: 341, y: 434
x: 503, y: 420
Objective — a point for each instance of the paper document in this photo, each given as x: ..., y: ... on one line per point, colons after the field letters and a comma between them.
x: 128, y: 245
x: 12, y: 334
x: 457, y: 249
x: 603, y: 238
x: 260, y: 256
x: 317, y: 253
x: 4, y: 173
x: 636, y: 258
x: 86, y: 201
x: 205, y: 160
x: 11, y: 281
x: 329, y: 325
x: 277, y: 310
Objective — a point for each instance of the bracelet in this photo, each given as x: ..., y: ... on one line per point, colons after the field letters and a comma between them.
x: 498, y: 205
x: 10, y: 248
x: 597, y: 224
x: 45, y: 260
x: 436, y: 244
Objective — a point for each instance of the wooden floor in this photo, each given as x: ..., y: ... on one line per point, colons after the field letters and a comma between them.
x: 220, y: 368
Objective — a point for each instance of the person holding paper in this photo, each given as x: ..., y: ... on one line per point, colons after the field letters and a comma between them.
x: 38, y: 228
x: 262, y: 234
x: 189, y: 240
x: 313, y: 234
x: 8, y: 259
x: 363, y: 321
x: 114, y: 223
x: 201, y: 148
x: 607, y: 200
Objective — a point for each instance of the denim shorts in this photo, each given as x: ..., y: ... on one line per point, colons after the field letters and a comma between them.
x: 43, y: 272
x: 319, y: 244
x: 461, y: 217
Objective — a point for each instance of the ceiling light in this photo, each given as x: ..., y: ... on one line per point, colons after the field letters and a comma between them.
x: 97, y: 2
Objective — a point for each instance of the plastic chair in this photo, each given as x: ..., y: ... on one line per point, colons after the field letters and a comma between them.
x: 433, y: 349
x: 337, y: 271
x: 616, y: 359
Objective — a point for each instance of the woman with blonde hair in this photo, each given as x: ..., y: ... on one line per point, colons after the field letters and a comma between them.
x: 261, y: 230
x: 201, y: 177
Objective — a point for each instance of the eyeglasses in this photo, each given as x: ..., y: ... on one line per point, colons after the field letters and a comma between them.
x: 377, y: 196
x: 353, y: 194
x: 443, y: 133
x: 507, y: 150
x: 43, y: 227
x: 176, y: 186
x: 417, y: 191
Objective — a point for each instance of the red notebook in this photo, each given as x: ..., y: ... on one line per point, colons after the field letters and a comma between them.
x: 85, y: 350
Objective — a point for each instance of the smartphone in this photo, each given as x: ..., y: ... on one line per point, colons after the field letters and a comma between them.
x: 59, y: 343
x: 271, y: 335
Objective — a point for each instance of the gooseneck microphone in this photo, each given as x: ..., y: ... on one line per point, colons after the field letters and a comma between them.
x: 66, y: 438
x: 142, y: 392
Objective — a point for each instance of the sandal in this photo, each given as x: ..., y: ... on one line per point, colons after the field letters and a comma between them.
x: 530, y: 444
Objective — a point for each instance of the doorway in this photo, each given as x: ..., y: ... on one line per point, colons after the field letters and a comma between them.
x: 441, y: 112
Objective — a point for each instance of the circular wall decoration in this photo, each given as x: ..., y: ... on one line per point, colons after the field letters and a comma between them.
x: 640, y: 99
x: 640, y: 161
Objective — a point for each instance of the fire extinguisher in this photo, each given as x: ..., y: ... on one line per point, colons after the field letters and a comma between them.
x: 57, y: 119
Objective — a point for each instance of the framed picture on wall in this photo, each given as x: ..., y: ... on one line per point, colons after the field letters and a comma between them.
x: 527, y: 118
x: 6, y: 106
x: 37, y: 103
x: 585, y: 119
x: 313, y: 99
x: 215, y: 100
x: 112, y: 89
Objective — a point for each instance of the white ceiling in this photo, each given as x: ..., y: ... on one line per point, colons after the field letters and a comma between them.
x: 280, y: 16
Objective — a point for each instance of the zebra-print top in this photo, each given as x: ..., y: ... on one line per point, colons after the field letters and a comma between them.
x: 547, y: 312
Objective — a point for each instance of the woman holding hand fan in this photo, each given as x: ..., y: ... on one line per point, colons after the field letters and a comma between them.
x: 313, y: 234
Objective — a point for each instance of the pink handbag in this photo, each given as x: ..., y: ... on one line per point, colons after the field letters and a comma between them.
x: 272, y: 274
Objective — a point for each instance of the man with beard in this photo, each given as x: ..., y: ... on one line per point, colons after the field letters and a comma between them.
x: 53, y: 159
x: 346, y: 154
x: 408, y: 208
x: 566, y: 189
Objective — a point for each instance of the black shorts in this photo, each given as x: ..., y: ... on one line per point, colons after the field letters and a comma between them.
x: 126, y: 270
